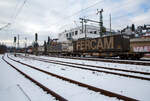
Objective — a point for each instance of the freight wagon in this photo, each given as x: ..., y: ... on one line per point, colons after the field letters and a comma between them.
x: 57, y: 48
x: 107, y: 46
x: 140, y: 46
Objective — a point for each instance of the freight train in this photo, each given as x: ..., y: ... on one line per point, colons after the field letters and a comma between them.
x: 108, y: 46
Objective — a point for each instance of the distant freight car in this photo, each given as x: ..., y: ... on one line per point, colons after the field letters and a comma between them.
x: 140, y: 46
x: 65, y: 48
x: 113, y: 45
x: 55, y: 47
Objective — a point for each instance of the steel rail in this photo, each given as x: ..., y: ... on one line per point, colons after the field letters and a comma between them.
x: 108, y: 72
x: 131, y: 71
x: 58, y: 97
x: 104, y: 60
x: 102, y: 91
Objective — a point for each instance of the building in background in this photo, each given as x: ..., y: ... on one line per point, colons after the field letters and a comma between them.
x: 77, y: 33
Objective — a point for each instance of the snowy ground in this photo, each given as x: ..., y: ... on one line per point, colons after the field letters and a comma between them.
x: 69, y: 91
x: 13, y: 93
x: 10, y: 78
x: 146, y: 60
x: 103, y: 64
x: 135, y: 88
x: 103, y: 69
x: 122, y: 72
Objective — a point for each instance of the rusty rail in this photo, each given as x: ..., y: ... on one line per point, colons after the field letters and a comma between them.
x: 102, y: 91
x: 58, y: 97
x: 41, y: 59
x: 104, y: 60
x: 114, y: 73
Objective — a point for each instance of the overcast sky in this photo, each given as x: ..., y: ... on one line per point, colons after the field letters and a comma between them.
x: 50, y: 17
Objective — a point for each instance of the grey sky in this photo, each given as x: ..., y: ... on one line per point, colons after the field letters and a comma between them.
x: 50, y: 17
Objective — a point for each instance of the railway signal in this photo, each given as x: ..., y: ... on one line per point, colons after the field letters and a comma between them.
x: 36, y: 37
x: 36, y: 44
x: 15, y: 39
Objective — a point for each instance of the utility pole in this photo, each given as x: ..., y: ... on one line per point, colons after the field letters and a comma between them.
x: 110, y: 24
x: 85, y: 28
x: 82, y: 24
x: 85, y: 21
x: 100, y: 21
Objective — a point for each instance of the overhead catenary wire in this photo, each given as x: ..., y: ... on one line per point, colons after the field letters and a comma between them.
x: 14, y: 15
x: 19, y: 9
x: 72, y: 15
x: 85, y: 8
x: 91, y: 15
x: 11, y: 17
x: 5, y: 26
x: 15, y: 10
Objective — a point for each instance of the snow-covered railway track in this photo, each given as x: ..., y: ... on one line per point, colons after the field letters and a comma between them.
x: 58, y: 97
x: 131, y: 74
x: 131, y: 71
x: 135, y: 62
x: 102, y: 91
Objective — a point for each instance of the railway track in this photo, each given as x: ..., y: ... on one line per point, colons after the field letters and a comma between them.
x: 102, y: 91
x: 145, y: 73
x: 57, y: 96
x: 110, y: 60
x: 80, y: 66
